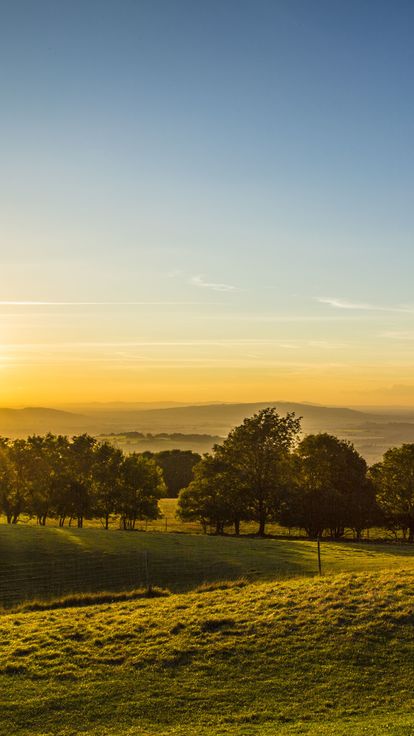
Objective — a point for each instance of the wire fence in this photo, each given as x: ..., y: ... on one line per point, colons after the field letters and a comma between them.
x: 46, y: 563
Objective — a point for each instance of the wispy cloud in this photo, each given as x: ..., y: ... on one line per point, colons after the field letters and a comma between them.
x: 338, y: 303
x: 199, y: 281
x: 99, y: 304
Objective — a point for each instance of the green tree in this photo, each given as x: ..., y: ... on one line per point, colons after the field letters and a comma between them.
x: 331, y: 490
x: 393, y: 479
x: 12, y: 496
x: 212, y: 498
x: 62, y: 475
x: 258, y: 456
x: 81, y: 460
x: 38, y: 471
x: 177, y: 467
x: 106, y: 480
x: 140, y: 489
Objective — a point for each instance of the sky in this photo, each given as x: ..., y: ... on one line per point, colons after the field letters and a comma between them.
x: 206, y: 201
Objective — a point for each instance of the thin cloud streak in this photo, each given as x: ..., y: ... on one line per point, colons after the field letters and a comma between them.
x: 362, y: 306
x: 225, y: 342
x: 103, y: 304
x: 201, y: 284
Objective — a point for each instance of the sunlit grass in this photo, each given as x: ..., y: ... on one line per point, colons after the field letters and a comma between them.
x: 323, y: 656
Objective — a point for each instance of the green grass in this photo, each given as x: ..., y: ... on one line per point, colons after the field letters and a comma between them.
x: 48, y: 562
x: 168, y: 522
x: 318, y: 657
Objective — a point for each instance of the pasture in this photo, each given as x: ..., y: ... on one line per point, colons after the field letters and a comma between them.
x: 169, y: 522
x: 315, y: 657
x: 48, y: 562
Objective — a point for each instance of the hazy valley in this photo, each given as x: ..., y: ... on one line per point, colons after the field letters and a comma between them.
x: 198, y: 427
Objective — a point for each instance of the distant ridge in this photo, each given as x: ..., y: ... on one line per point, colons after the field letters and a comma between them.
x: 220, y: 418
x: 36, y: 419
x: 371, y: 433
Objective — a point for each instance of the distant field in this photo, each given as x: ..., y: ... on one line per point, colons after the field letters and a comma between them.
x: 169, y: 523
x: 45, y: 562
x: 321, y: 657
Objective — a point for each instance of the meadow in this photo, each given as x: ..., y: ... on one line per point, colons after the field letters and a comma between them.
x: 244, y: 637
x: 169, y: 522
x: 48, y: 562
x: 324, y: 656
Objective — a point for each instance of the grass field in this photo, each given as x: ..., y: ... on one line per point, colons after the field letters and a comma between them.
x: 48, y: 562
x: 168, y: 522
x: 313, y: 657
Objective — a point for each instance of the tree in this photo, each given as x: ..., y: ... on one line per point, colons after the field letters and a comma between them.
x: 106, y: 479
x: 331, y: 490
x: 393, y: 479
x: 177, y: 467
x: 38, y: 471
x: 12, y: 497
x: 16, y: 500
x: 81, y: 460
x: 212, y: 497
x: 258, y: 455
x: 141, y: 487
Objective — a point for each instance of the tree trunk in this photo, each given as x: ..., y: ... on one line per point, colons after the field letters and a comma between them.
x: 106, y: 521
x: 237, y: 527
x: 262, y: 525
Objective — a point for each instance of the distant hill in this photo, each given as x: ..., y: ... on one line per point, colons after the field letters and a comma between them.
x: 38, y: 420
x: 371, y: 432
x: 220, y: 418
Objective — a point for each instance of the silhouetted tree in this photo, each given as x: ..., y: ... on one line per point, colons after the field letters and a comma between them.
x: 12, y: 497
x: 177, y: 467
x: 330, y: 490
x: 393, y: 479
x: 212, y: 498
x: 258, y: 456
x: 141, y: 487
x: 81, y: 460
x: 106, y: 480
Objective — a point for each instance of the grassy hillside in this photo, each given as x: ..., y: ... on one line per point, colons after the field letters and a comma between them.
x: 45, y: 562
x: 311, y: 657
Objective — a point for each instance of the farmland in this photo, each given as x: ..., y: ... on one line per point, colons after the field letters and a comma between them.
x: 323, y: 656
x: 47, y: 562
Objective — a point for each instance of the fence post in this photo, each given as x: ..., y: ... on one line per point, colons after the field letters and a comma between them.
x: 319, y: 555
x: 146, y: 568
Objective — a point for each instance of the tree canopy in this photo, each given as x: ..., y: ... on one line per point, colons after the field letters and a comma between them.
x: 393, y: 479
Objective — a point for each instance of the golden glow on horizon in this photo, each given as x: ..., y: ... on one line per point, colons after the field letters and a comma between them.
x: 68, y: 355
x: 38, y: 383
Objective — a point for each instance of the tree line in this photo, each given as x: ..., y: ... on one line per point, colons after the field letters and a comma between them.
x: 53, y: 476
x: 263, y: 472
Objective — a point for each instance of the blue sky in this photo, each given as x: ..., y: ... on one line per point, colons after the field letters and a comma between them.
x: 230, y: 172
